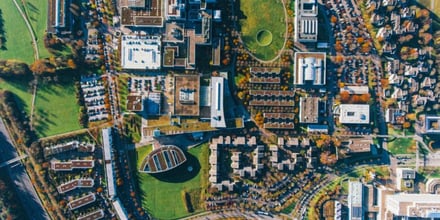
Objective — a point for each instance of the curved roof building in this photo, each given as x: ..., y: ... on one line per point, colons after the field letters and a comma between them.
x: 163, y: 159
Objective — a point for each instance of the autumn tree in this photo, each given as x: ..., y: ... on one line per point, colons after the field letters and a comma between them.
x: 71, y: 64
x: 406, y: 124
x: 41, y: 66
x: 327, y: 158
x: 345, y: 96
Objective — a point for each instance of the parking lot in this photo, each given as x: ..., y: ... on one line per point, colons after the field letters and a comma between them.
x: 94, y: 98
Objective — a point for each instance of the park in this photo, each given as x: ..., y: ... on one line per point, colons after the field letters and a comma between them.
x: 176, y: 193
x: 263, y: 28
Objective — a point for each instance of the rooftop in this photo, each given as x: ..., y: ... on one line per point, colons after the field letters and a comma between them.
x: 309, y: 110
x: 354, y: 114
x: 140, y: 53
x: 217, y: 102
x: 141, y: 13
x: 187, y: 95
x: 163, y: 159
x: 135, y: 103
x: 309, y: 68
x: 360, y: 145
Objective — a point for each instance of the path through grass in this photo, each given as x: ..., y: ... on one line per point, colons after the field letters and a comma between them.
x: 263, y: 15
x: 36, y: 11
x: 18, y: 44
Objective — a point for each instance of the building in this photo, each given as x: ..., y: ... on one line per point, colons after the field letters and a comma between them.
x: 71, y: 165
x: 153, y: 103
x: 85, y: 200
x: 135, y: 103
x: 163, y: 159
x: 394, y: 116
x: 360, y: 145
x: 306, y: 21
x: 95, y: 215
x: 405, y: 178
x: 76, y: 183
x: 175, y: 9
x: 141, y: 13
x: 120, y: 210
x: 186, y: 95
x: 355, y: 90
x: 432, y: 124
x: 309, y: 69
x: 71, y: 145
x: 332, y: 210
x: 140, y: 52
x: 433, y: 185
x: 59, y: 17
x: 217, y: 102
x: 309, y: 110
x: 107, y: 141
x: 354, y: 114
x: 413, y: 205
x: 355, y: 201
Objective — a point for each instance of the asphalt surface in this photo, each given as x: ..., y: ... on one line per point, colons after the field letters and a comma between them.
x: 22, y: 183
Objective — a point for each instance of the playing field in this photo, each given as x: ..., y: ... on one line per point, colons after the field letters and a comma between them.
x: 18, y: 39
x: 36, y: 11
x: 162, y: 195
x: 263, y: 27
x: 56, y: 110
x: 21, y: 89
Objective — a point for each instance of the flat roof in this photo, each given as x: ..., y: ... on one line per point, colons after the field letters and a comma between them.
x: 432, y: 124
x: 98, y: 214
x: 140, y: 53
x: 308, y: 110
x: 187, y: 95
x: 360, y: 145
x: 355, y: 90
x: 310, y: 68
x: 141, y: 13
x: 120, y: 210
x: 85, y: 200
x: 135, y: 103
x: 107, y: 143
x: 354, y: 114
x: 217, y: 102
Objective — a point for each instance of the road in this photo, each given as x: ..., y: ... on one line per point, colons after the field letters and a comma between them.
x: 22, y: 183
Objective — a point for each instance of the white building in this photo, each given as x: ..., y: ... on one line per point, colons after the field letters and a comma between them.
x: 217, y: 102
x: 140, y: 52
x: 354, y: 113
x: 355, y: 201
x: 309, y: 68
x: 306, y: 20
x: 413, y: 205
x: 107, y: 146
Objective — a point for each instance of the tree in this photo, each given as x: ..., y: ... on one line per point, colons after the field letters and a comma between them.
x: 71, y: 64
x: 327, y: 158
x: 406, y: 124
x: 345, y: 96
x: 41, y: 66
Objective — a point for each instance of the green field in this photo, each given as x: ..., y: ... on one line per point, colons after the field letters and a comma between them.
x: 142, y: 153
x: 56, y: 110
x: 18, y: 44
x: 36, y: 11
x: 20, y: 88
x: 401, y: 146
x: 162, y: 194
x: 261, y: 15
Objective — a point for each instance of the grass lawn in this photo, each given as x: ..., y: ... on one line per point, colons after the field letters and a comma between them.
x: 18, y: 44
x: 142, y: 153
x: 402, y: 146
x: 133, y: 125
x: 269, y: 15
x: 162, y: 194
x: 56, y: 109
x: 36, y: 11
x: 123, y: 91
x: 20, y: 87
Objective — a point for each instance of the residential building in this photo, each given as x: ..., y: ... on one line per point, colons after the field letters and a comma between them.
x: 405, y: 178
x: 217, y: 102
x: 107, y: 140
x: 360, y: 145
x: 76, y: 183
x: 59, y: 17
x: 71, y: 165
x: 80, y: 202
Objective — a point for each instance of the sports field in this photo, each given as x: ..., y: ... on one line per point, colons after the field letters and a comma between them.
x: 56, y: 109
x: 263, y: 27
x: 18, y: 44
x: 36, y: 11
x: 162, y: 194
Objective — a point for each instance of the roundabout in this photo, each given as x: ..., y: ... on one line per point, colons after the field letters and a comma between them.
x: 264, y: 38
